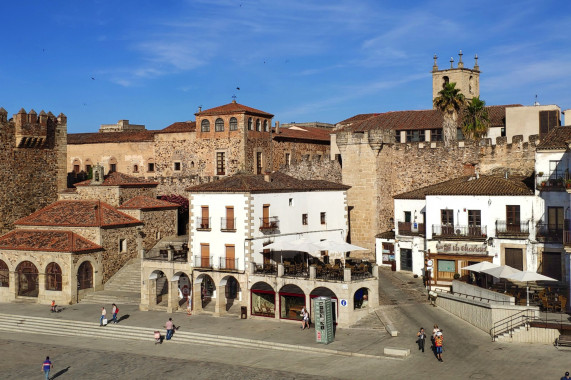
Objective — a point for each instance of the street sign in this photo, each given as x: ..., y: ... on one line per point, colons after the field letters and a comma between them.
x: 429, y: 263
x: 343, y: 302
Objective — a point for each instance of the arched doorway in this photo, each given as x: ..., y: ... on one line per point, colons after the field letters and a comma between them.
x: 161, y: 288
x: 326, y: 292
x: 85, y: 276
x: 292, y: 300
x: 263, y: 300
x: 361, y: 299
x: 207, y: 289
x: 53, y: 277
x: 27, y: 279
x: 231, y: 292
x: 184, y: 288
x: 4, y: 275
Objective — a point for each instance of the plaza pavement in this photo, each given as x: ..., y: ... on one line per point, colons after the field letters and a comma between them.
x: 209, y: 347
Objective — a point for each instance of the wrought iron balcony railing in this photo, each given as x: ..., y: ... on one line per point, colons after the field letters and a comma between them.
x: 458, y: 232
x: 269, y: 223
x: 505, y: 229
x: 411, y: 229
x: 203, y: 224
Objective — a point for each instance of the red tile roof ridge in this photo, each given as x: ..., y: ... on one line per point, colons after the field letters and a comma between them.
x: 120, y: 179
x: 47, y: 240
x: 232, y: 107
x: 144, y: 202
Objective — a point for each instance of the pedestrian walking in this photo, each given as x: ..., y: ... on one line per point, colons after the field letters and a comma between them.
x: 421, y: 334
x: 302, y: 316
x: 158, y: 337
x: 114, y: 310
x: 306, y: 318
x: 46, y: 367
x: 103, y: 319
x: 566, y: 377
x: 53, y: 308
x: 170, y: 328
x: 189, y: 306
x: 438, y: 341
x: 434, y: 331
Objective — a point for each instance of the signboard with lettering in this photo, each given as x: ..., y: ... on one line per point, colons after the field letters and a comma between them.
x: 462, y: 248
x: 323, y: 320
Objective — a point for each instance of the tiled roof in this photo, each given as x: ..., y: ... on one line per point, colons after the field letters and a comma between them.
x: 303, y: 133
x: 51, y: 241
x: 386, y: 235
x: 557, y: 138
x: 147, y: 203
x: 233, y: 108
x: 423, y: 119
x: 279, y: 182
x: 121, y: 179
x: 78, y: 213
x: 484, y: 185
x: 180, y: 126
x: 356, y: 118
x: 109, y: 137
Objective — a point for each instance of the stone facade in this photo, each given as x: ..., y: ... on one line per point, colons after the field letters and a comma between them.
x: 157, y: 223
x: 33, y: 152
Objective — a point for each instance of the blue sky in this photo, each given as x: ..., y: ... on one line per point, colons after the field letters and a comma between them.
x: 155, y: 62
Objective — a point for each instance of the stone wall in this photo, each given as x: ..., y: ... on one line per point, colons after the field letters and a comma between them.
x: 321, y: 168
x: 161, y: 221
x: 112, y: 258
x: 33, y: 167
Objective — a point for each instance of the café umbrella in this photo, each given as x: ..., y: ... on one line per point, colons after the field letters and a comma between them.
x: 339, y: 247
x: 503, y: 271
x: 527, y: 276
x: 480, y: 266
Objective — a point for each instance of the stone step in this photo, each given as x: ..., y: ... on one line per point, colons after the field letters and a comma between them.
x: 118, y: 297
x: 59, y: 327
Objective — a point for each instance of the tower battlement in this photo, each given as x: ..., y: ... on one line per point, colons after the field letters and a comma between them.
x: 32, y: 130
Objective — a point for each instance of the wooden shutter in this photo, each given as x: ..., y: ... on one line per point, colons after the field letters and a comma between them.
x: 230, y: 256
x: 514, y: 258
x: 205, y: 219
x: 230, y: 218
x: 204, y: 255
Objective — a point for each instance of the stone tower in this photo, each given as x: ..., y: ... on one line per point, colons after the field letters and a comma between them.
x: 467, y: 80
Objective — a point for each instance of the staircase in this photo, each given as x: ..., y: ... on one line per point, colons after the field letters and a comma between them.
x: 124, y: 288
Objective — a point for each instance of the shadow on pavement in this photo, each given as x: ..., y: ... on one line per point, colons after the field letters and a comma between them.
x: 60, y: 373
x: 123, y: 317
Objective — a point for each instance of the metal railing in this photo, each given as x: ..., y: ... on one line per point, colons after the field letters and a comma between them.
x: 512, y: 322
x: 203, y: 223
x: 269, y: 223
x: 202, y: 262
x: 408, y: 229
x: 228, y: 263
x: 227, y: 224
x: 264, y: 269
x: 459, y: 232
x: 550, y: 183
x: 547, y: 233
x: 505, y: 229
x: 567, y: 237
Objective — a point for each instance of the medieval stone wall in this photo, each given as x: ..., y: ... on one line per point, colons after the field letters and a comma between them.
x: 112, y: 258
x: 160, y: 221
x: 314, y: 168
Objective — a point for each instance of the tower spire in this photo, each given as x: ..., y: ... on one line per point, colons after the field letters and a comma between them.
x: 460, y: 63
x: 451, y: 62
x: 435, y: 66
x: 476, y: 67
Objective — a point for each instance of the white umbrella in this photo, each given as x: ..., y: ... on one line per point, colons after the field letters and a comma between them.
x: 501, y: 272
x: 339, y: 247
x: 527, y: 276
x: 479, y: 267
x: 300, y: 245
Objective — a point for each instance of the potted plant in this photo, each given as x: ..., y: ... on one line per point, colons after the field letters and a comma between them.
x: 540, y: 174
x: 456, y: 276
x: 568, y: 184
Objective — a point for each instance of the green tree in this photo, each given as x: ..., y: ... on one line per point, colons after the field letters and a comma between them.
x: 476, y: 121
x: 449, y: 101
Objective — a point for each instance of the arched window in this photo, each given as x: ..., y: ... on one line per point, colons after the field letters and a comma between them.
x: 219, y: 125
x: 85, y: 276
x: 258, y: 125
x: 205, y: 126
x: 233, y: 124
x: 135, y: 168
x: 250, y: 124
x: 76, y: 165
x: 112, y: 164
x: 445, y: 81
x: 266, y: 126
x: 4, y: 275
x: 53, y: 277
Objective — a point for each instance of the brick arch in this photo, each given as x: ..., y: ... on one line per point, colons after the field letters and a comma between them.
x: 4, y: 274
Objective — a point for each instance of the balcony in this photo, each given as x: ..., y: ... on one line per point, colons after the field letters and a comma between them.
x: 567, y: 238
x: 203, y: 224
x: 546, y: 233
x: 408, y: 229
x: 168, y: 253
x: 459, y: 232
x: 266, y: 269
x: 202, y: 262
x: 512, y: 230
x: 269, y: 223
x: 550, y: 183
x: 228, y: 263
x: 228, y: 224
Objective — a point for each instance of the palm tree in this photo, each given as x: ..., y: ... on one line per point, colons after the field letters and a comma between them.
x: 476, y: 120
x: 449, y: 101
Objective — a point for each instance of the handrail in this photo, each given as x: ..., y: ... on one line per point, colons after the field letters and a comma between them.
x: 474, y: 298
x: 510, y: 323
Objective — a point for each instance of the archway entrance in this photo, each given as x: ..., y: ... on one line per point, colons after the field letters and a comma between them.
x: 207, y: 289
x: 85, y: 276
x: 326, y: 292
x: 263, y: 300
x: 161, y: 288
x: 27, y: 279
x: 184, y: 289
x: 292, y: 300
x: 231, y: 293
x: 361, y: 299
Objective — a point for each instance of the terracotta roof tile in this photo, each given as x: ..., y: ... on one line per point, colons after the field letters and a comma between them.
x: 356, y: 118
x: 422, y: 119
x: 78, y: 213
x: 279, y: 182
x: 121, y: 179
x: 386, y: 235
x: 557, y: 138
x: 147, y: 203
x: 233, y: 108
x: 110, y: 137
x: 52, y: 241
x: 179, y: 126
x: 303, y: 133
x: 485, y: 185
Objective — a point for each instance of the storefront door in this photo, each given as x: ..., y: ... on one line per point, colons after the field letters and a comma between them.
x: 406, y: 259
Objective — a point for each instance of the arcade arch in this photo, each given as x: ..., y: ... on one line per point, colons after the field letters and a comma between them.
x: 27, y: 279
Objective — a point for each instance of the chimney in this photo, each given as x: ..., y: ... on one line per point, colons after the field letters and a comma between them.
x: 460, y: 63
x: 277, y: 127
x: 199, y: 108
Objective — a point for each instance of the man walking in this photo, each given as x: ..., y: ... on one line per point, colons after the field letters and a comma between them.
x: 438, y: 341
x: 170, y: 327
x: 103, y: 316
x: 421, y: 338
x: 566, y: 377
x: 115, y: 310
x: 46, y: 367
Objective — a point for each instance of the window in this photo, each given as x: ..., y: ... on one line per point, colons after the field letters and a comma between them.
x: 415, y: 135
x: 512, y: 215
x: 219, y: 125
x: 87, y: 168
x: 135, y: 168
x: 4, y: 275
x: 555, y: 169
x: 230, y: 256
x: 76, y: 169
x: 291, y: 202
x: 459, y: 134
x: 53, y: 277
x: 474, y: 218
x: 555, y: 219
x: 287, y: 159
x: 220, y: 163
x: 547, y: 121
x: 205, y: 126
x: 230, y: 225
x: 258, y: 162
x: 407, y: 216
x: 122, y: 245
x: 322, y: 217
x: 304, y: 219
x: 436, y: 135
x: 447, y: 219
x: 250, y: 124
x: 397, y: 136
x: 205, y: 218
x: 151, y: 167
x: 258, y: 125
x: 177, y: 166
x: 266, y: 129
x: 112, y: 167
x: 233, y: 124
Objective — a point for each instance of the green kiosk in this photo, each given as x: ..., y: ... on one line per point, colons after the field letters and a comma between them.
x: 323, y: 320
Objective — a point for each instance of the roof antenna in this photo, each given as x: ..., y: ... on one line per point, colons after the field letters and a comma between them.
x: 536, y: 102
x: 234, y: 98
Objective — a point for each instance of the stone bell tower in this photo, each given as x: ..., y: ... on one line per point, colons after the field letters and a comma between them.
x: 467, y: 80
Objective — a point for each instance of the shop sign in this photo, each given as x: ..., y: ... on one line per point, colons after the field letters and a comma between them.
x: 462, y: 249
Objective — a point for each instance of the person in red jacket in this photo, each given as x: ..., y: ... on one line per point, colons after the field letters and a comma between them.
x: 438, y: 341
